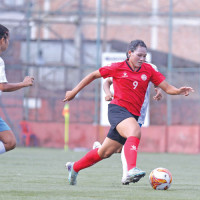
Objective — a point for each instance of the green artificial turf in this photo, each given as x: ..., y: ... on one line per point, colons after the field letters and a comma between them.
x: 39, y: 173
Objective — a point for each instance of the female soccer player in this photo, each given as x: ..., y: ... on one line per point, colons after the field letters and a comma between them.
x: 130, y: 82
x: 109, y: 96
x: 7, y: 138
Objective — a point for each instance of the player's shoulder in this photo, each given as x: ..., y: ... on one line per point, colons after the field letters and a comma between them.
x: 151, y: 66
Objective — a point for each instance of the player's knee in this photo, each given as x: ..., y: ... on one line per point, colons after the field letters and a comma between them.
x: 10, y: 145
x: 119, y: 150
x: 106, y: 154
x: 136, y: 133
x: 13, y: 145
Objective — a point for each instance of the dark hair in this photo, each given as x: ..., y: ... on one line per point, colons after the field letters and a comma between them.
x: 133, y: 46
x: 4, y: 32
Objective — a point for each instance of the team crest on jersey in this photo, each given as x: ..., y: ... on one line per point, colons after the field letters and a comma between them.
x: 144, y: 77
x: 125, y: 74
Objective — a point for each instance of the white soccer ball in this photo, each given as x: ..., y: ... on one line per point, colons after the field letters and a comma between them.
x: 160, y: 179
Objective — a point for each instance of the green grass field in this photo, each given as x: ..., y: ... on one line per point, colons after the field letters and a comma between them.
x: 37, y: 173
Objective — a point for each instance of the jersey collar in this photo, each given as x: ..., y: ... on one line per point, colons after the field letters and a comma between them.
x: 131, y: 68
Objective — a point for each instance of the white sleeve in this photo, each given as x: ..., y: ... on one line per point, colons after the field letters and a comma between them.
x: 154, y: 67
x: 145, y: 105
x: 3, y: 78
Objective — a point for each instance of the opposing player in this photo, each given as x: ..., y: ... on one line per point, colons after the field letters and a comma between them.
x: 130, y: 82
x: 7, y: 138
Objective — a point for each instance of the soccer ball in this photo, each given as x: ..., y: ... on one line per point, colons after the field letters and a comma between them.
x: 160, y: 179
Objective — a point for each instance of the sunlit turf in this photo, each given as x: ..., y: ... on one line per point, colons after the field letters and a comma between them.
x: 37, y: 173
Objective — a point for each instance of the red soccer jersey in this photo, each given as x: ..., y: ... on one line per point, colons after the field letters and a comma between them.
x: 130, y: 86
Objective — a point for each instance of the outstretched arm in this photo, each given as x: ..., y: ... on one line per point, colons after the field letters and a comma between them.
x: 106, y: 87
x: 170, y: 89
x: 88, y: 79
x: 10, y: 87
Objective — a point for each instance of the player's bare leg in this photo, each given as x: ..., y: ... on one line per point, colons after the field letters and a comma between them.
x: 7, y: 141
x: 92, y: 157
x: 109, y: 147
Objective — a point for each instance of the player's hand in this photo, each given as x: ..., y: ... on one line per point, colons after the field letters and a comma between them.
x: 158, y: 95
x: 28, y: 81
x: 185, y: 91
x: 108, y: 97
x: 69, y: 96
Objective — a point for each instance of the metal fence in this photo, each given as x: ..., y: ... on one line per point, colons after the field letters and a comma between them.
x: 43, y: 101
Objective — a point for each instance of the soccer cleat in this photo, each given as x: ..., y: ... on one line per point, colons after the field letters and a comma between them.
x: 134, y: 175
x: 124, y: 181
x: 96, y: 145
x: 72, y: 174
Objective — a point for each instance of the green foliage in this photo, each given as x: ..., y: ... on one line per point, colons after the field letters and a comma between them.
x: 40, y: 174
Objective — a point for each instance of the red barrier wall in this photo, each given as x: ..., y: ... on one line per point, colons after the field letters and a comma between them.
x: 153, y: 139
x: 82, y: 135
x: 183, y: 139
x: 172, y: 139
x: 49, y: 134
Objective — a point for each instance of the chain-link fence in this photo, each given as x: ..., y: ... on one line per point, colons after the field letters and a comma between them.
x: 43, y: 101
x: 178, y: 109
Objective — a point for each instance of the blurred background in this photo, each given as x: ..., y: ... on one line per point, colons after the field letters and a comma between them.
x: 59, y: 42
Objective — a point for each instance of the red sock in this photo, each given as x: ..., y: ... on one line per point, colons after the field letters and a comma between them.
x: 130, y: 151
x: 88, y: 160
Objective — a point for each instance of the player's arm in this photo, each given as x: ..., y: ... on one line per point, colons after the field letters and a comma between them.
x: 88, y: 79
x: 172, y: 90
x: 106, y: 86
x: 158, y: 95
x: 10, y: 87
